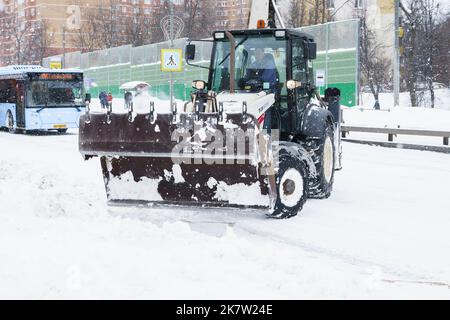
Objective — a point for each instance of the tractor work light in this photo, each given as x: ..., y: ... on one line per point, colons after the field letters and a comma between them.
x: 199, y: 84
x: 219, y: 35
x: 280, y: 34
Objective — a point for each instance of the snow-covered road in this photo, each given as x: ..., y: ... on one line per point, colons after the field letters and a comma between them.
x: 384, y: 233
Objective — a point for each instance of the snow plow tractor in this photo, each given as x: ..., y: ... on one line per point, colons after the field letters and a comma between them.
x: 255, y: 135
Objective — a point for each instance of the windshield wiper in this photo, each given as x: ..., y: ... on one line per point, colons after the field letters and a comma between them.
x: 226, y: 57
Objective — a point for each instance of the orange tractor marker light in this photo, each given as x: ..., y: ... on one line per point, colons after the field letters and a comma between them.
x: 261, y: 24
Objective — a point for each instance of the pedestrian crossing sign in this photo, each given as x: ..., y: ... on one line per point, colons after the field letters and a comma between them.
x: 171, y: 60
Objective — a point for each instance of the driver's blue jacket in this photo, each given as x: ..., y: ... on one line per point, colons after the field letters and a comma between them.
x: 266, y: 72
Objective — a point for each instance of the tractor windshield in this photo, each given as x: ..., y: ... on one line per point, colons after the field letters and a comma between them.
x: 260, y: 64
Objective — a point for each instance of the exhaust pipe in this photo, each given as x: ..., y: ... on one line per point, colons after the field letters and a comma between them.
x: 232, y: 59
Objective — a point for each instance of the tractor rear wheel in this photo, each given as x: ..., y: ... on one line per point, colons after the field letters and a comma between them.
x: 291, y: 184
x: 323, y: 155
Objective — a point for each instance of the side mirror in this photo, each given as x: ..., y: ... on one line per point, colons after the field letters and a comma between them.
x: 87, y: 98
x: 190, y: 52
x: 310, y: 50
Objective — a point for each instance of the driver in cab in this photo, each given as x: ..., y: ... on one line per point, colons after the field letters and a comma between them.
x: 262, y: 74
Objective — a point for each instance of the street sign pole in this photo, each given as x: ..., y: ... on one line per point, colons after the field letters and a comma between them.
x: 172, y: 27
x: 171, y: 47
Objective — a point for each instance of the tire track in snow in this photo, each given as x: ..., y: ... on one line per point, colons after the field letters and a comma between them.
x: 197, y: 219
x: 404, y: 276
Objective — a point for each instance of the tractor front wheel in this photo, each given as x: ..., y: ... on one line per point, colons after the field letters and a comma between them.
x: 291, y: 185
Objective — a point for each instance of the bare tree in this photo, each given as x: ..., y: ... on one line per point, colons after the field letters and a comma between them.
x: 138, y: 27
x: 19, y: 30
x: 102, y: 28
x: 87, y: 38
x: 40, y: 40
x: 2, y: 52
x: 308, y: 12
x: 421, y: 46
x: 374, y: 65
x: 410, y: 43
x: 199, y: 18
x: 429, y: 9
x: 297, y: 13
x: 160, y: 12
x: 109, y: 20
x: 441, y: 59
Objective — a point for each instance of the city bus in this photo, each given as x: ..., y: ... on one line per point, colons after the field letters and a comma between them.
x: 36, y: 98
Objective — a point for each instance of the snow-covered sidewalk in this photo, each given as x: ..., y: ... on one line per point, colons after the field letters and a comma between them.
x: 404, y: 117
x: 382, y: 234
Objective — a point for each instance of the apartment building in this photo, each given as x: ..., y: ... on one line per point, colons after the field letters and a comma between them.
x: 19, y: 20
x: 232, y: 14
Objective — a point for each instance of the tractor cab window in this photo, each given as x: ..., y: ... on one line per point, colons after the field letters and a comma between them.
x: 299, y: 63
x: 260, y: 64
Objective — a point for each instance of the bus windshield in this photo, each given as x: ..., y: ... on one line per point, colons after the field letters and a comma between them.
x: 55, y: 93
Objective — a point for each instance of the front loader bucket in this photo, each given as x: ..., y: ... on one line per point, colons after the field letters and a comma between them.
x: 187, y: 159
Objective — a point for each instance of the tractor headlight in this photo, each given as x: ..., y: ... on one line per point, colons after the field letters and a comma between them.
x: 199, y: 84
x: 292, y: 84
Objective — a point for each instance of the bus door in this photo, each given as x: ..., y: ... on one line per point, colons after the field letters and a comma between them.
x: 20, y: 104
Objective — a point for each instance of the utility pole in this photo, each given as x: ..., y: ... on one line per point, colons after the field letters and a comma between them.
x: 171, y: 47
x: 396, y: 53
x: 64, y: 46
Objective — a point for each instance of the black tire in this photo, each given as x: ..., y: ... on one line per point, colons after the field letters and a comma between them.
x: 291, y: 193
x: 322, y: 151
x: 61, y: 131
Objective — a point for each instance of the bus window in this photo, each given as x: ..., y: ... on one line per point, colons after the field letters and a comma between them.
x: 8, y: 91
x: 55, y: 93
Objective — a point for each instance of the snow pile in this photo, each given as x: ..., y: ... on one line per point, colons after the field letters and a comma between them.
x: 401, y: 117
x: 124, y: 187
x: 241, y: 194
x: 386, y: 99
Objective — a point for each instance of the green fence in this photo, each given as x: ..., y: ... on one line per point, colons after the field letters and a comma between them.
x: 108, y: 69
x: 341, y: 72
x: 338, y: 57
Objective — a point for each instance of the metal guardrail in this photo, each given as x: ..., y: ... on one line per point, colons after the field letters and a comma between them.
x: 394, y: 131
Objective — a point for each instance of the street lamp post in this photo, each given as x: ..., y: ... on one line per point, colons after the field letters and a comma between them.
x: 396, y: 64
